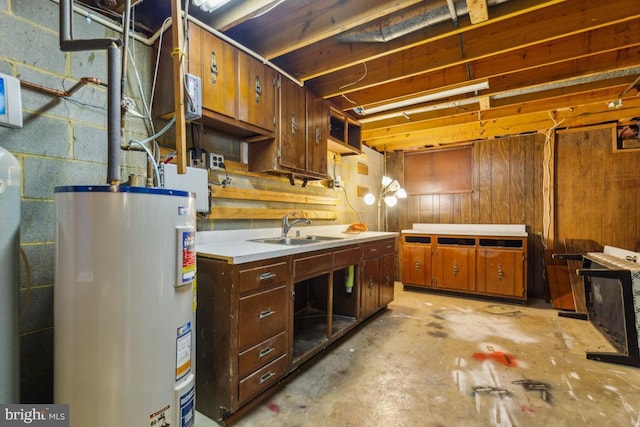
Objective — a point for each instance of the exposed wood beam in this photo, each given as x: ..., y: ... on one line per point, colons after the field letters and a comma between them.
x: 314, y: 21
x: 550, y: 101
x: 594, y: 51
x: 518, y: 33
x: 329, y: 55
x: 584, y: 115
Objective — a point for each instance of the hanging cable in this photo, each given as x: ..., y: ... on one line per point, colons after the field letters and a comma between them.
x: 546, y: 179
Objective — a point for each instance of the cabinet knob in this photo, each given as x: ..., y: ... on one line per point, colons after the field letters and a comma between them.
x: 258, y: 89
x: 417, y: 265
x: 294, y: 125
x: 214, y: 68
x: 500, y: 272
x: 455, y: 268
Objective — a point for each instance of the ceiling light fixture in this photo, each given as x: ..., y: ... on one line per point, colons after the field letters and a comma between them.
x: 471, y: 88
x: 210, y: 5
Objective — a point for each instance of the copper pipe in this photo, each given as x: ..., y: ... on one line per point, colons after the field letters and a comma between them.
x: 62, y: 93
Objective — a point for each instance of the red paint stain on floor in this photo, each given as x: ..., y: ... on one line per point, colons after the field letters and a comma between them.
x: 273, y: 408
x: 498, y: 356
x: 525, y: 408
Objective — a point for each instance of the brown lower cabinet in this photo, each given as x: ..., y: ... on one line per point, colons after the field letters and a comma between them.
x: 483, y: 265
x: 257, y: 322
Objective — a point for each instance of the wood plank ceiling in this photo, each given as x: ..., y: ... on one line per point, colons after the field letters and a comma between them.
x: 547, y: 63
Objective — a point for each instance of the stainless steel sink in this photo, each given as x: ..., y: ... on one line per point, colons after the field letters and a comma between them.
x: 296, y: 240
x: 323, y: 238
x: 285, y: 240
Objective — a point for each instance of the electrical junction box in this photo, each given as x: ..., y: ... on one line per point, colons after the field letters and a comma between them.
x: 216, y: 162
x: 195, y: 180
x: 10, y: 102
x: 193, y: 97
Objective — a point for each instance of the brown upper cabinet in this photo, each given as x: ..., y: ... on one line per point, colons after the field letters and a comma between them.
x: 238, y: 92
x: 286, y: 126
x: 256, y: 92
x: 215, y: 62
x: 317, y: 133
x: 300, y: 148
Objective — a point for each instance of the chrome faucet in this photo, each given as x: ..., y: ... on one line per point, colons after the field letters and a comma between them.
x: 286, y: 225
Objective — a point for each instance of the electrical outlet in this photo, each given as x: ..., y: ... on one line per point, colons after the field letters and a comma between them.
x: 197, y: 158
x: 216, y: 162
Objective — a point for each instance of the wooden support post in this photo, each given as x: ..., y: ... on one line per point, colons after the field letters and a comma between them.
x: 179, y: 57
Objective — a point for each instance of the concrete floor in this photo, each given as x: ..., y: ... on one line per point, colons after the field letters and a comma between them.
x: 433, y: 360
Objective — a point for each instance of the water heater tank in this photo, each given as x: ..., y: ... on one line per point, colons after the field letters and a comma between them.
x: 124, y: 312
x: 9, y: 275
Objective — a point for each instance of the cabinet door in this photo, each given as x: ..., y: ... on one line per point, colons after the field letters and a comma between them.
x: 415, y: 268
x: 454, y: 268
x: 217, y: 64
x: 317, y: 133
x: 501, y: 272
x: 256, y: 92
x: 369, y: 286
x: 293, y: 153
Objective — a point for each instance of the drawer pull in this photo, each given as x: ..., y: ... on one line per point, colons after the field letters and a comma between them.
x: 455, y: 268
x: 266, y: 376
x: 266, y: 351
x: 500, y: 272
x: 267, y: 276
x: 266, y: 313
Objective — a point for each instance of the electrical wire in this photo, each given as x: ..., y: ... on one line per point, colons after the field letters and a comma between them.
x: 344, y: 190
x: 364, y: 64
x: 151, y: 156
x: 346, y: 198
x: 267, y: 11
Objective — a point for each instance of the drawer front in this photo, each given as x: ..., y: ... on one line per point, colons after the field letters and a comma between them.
x: 346, y: 257
x: 370, y: 250
x: 262, y: 316
x: 261, y: 354
x: 310, y: 266
x: 387, y: 246
x: 263, y: 378
x: 263, y: 277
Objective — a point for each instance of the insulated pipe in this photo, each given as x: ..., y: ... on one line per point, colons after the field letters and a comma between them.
x: 114, y: 63
x: 114, y: 116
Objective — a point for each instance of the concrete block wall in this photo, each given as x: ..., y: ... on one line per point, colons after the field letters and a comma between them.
x: 64, y: 142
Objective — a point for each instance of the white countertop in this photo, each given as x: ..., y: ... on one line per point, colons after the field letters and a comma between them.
x: 505, y: 230
x: 234, y: 246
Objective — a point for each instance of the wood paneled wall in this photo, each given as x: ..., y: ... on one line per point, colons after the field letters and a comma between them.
x: 597, y: 189
x: 507, y: 189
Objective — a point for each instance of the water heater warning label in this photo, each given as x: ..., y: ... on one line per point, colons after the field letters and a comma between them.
x: 183, y: 351
x: 186, y: 256
x: 161, y: 418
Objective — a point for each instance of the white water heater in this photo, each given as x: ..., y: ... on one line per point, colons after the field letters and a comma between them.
x: 9, y: 276
x: 124, y: 306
